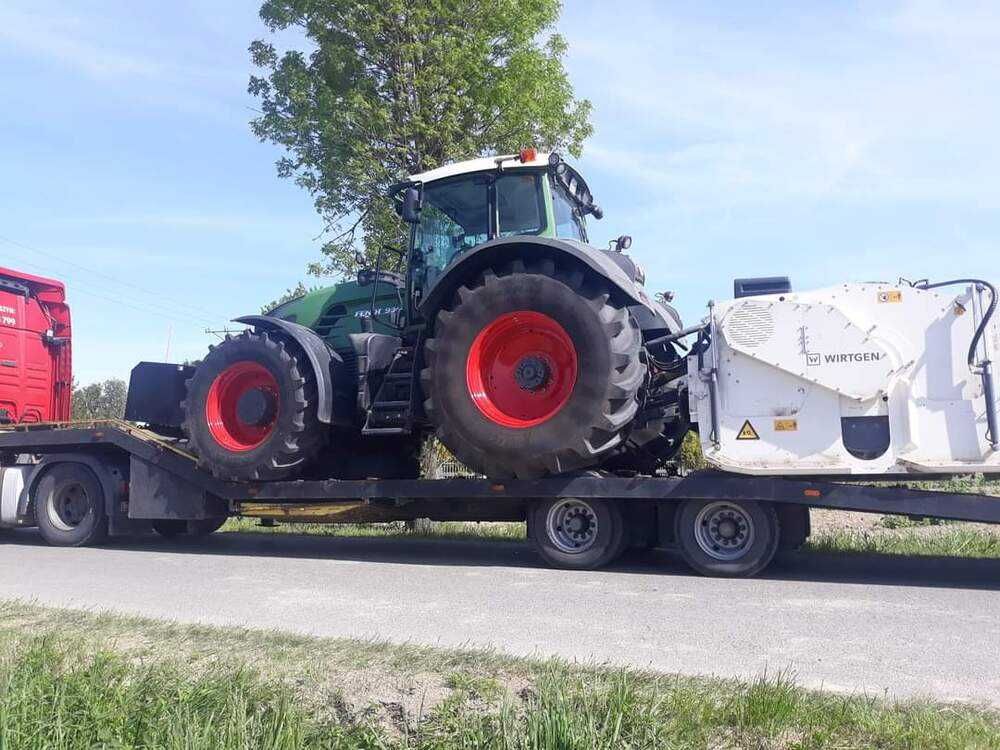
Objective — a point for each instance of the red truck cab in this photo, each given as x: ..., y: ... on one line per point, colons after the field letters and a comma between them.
x: 36, y: 371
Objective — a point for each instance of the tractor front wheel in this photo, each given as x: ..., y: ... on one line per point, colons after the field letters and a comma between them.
x: 250, y: 412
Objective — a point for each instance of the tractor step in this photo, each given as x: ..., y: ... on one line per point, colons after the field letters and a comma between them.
x: 390, y: 412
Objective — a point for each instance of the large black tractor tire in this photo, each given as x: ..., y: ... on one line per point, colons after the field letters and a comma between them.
x: 250, y: 412
x: 70, y: 506
x: 533, y: 371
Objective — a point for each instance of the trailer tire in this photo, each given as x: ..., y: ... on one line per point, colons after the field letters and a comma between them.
x: 727, y: 538
x: 70, y: 506
x: 577, y: 534
x: 170, y: 528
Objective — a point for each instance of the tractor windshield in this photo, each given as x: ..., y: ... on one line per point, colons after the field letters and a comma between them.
x: 459, y: 214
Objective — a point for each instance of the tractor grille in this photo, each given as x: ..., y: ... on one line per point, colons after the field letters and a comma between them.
x: 329, y: 319
x: 750, y: 325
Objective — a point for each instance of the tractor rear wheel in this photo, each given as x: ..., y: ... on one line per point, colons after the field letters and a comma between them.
x: 533, y: 371
x: 250, y: 412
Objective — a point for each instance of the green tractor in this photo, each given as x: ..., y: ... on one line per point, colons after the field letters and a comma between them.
x: 526, y: 350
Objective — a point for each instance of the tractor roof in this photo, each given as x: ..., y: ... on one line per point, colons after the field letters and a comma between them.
x: 484, y: 164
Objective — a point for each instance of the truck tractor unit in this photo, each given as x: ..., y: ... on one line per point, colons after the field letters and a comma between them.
x: 36, y: 372
x: 526, y: 350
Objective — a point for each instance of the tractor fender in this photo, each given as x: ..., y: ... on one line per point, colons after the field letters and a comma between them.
x: 335, y: 402
x: 466, y: 266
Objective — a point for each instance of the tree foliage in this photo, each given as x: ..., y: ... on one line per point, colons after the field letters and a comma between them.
x: 299, y: 290
x: 100, y: 400
x: 395, y: 87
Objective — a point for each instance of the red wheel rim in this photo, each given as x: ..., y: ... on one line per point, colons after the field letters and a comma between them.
x: 521, y: 369
x: 222, y: 406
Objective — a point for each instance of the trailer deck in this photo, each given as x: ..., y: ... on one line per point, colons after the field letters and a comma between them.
x: 163, y: 481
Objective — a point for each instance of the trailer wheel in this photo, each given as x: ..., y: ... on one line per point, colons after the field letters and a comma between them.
x: 727, y: 538
x: 70, y: 506
x: 577, y: 534
x: 170, y: 528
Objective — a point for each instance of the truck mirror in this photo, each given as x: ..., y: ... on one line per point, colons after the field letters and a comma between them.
x: 411, y: 206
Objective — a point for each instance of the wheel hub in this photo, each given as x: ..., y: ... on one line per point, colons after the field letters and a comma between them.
x: 572, y: 526
x: 533, y: 373
x: 521, y: 369
x: 257, y: 407
x: 242, y: 406
x: 69, y: 507
x: 724, y: 531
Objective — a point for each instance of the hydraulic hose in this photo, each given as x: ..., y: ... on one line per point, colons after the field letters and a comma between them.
x: 987, y: 316
x: 985, y: 367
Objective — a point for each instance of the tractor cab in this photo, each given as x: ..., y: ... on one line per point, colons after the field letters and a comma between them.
x: 456, y: 208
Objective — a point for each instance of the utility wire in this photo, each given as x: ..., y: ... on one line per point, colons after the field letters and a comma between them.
x: 177, y: 310
x: 107, y: 276
x: 145, y: 306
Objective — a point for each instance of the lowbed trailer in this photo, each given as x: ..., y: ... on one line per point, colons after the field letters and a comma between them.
x: 80, y: 483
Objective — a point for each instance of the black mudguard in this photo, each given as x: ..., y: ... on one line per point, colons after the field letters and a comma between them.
x: 650, y: 314
x: 336, y: 403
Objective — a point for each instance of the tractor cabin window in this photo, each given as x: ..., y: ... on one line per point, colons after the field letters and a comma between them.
x: 520, y: 204
x: 570, y: 224
x: 454, y: 218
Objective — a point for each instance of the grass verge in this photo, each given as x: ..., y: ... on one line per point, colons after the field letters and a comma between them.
x: 85, y: 680
x: 895, y: 535
x: 487, y: 530
x: 943, y: 541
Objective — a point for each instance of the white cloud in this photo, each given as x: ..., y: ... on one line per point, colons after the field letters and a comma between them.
x: 848, y: 108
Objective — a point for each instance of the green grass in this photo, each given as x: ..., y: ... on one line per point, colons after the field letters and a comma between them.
x: 945, y: 541
x: 487, y: 530
x: 82, y: 680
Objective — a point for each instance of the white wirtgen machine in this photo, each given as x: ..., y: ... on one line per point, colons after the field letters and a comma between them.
x: 854, y: 379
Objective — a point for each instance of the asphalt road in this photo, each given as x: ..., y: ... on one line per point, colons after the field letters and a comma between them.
x: 897, y: 625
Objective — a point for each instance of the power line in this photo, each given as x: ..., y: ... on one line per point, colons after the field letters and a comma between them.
x: 109, y: 277
x: 169, y: 311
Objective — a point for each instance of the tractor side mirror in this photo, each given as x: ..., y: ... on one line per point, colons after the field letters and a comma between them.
x: 411, y: 206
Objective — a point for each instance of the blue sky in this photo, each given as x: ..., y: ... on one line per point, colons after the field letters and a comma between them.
x: 827, y: 141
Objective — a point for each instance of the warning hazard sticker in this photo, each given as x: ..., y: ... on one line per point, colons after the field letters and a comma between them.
x: 747, y: 432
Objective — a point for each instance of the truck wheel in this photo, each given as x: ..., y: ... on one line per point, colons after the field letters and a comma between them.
x: 727, y: 538
x: 577, y: 534
x: 250, y: 412
x: 533, y: 371
x: 70, y: 506
x: 171, y: 527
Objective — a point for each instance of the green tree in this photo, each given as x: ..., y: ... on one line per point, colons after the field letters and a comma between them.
x: 395, y: 87
x: 100, y: 400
